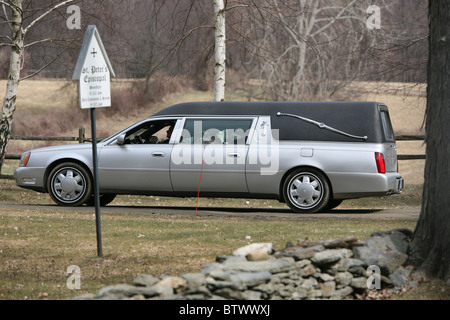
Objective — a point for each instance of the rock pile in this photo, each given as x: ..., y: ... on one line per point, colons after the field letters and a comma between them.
x: 332, y: 269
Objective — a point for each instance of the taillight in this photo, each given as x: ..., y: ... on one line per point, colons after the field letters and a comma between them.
x: 381, y: 166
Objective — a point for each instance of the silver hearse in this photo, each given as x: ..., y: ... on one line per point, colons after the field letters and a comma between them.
x: 310, y: 155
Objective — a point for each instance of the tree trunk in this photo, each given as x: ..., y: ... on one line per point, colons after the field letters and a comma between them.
x: 16, y: 58
x: 220, y: 57
x: 430, y: 247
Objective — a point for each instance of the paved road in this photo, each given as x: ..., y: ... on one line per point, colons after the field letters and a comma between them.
x: 411, y: 213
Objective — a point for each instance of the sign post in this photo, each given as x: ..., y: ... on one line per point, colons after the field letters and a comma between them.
x: 93, y: 71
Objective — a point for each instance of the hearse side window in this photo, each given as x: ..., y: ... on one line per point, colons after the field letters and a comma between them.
x: 151, y: 132
x: 387, y: 126
x: 216, y: 131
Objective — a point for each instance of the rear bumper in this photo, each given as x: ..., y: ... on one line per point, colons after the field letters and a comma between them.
x: 399, y: 184
x: 358, y: 185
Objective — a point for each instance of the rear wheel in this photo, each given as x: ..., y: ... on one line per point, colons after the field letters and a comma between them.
x: 69, y: 184
x: 306, y: 190
x: 105, y: 199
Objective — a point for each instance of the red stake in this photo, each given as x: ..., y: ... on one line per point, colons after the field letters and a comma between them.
x: 200, y: 182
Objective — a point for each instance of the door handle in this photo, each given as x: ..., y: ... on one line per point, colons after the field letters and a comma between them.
x: 158, y: 154
x: 234, y: 154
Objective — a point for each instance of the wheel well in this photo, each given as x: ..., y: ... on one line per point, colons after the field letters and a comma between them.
x: 287, y: 173
x: 59, y: 161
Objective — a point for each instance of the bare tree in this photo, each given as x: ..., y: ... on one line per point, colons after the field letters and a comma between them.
x: 14, y: 17
x: 430, y: 246
x: 220, y: 56
x: 305, y: 45
x: 310, y: 49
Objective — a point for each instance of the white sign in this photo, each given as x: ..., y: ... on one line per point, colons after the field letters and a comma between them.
x: 93, y: 70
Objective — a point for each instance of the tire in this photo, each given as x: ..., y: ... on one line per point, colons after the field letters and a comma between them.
x: 69, y: 184
x: 306, y: 190
x: 332, y: 204
x: 105, y: 199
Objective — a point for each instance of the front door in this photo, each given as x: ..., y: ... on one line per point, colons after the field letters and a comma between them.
x: 142, y: 162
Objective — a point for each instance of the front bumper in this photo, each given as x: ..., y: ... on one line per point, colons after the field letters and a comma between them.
x: 30, y: 178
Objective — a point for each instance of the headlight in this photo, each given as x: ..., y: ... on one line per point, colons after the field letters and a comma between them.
x: 24, y: 158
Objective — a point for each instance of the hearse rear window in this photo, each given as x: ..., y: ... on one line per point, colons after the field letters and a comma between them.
x: 387, y: 126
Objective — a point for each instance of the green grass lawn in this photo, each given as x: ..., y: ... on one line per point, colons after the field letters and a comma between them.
x: 37, y: 246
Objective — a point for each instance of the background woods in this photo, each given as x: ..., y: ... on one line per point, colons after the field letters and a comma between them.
x: 302, y: 47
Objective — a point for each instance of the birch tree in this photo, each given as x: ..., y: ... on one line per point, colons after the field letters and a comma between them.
x: 13, y: 16
x: 220, y: 52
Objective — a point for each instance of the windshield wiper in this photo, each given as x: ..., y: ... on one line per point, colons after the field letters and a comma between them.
x: 322, y: 125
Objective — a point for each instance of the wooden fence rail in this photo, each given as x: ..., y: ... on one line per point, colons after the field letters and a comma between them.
x: 82, y: 139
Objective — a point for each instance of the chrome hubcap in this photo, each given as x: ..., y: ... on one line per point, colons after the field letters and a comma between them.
x: 68, y: 184
x: 305, y: 190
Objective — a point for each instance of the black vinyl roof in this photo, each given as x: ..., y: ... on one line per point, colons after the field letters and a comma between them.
x: 355, y: 118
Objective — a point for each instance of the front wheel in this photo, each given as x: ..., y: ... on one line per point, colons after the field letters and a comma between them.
x: 69, y: 184
x: 306, y: 190
x: 105, y: 199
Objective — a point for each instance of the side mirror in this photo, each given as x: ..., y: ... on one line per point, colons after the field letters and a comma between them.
x: 121, y: 139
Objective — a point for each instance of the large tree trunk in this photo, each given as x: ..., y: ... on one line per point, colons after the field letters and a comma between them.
x: 430, y: 247
x: 16, y: 58
x: 220, y: 58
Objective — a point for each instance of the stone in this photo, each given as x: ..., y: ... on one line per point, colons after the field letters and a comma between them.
x: 391, y: 261
x: 314, y: 293
x: 383, y: 251
x: 286, y: 291
x: 213, y: 284
x: 357, y: 271
x: 172, y: 282
x: 250, y: 279
x: 331, y: 256
x: 195, y: 283
x: 272, y: 266
x: 258, y: 255
x: 125, y: 290
x: 229, y: 293
x: 300, y: 293
x: 234, y: 259
x: 400, y: 241
x: 145, y: 280
x: 343, y: 279
x: 209, y: 267
x: 314, y: 270
x: 326, y: 277
x: 294, y: 275
x: 399, y: 276
x: 359, y: 283
x: 302, y: 263
x: 267, y: 288
x: 86, y: 296
x: 342, y: 293
x: 164, y: 290
x: 328, y: 288
x: 346, y: 264
x: 309, y: 284
x: 299, y: 253
x: 308, y: 270
x: 251, y: 295
x: 399, y: 238
x: 219, y: 274
x: 244, y: 251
